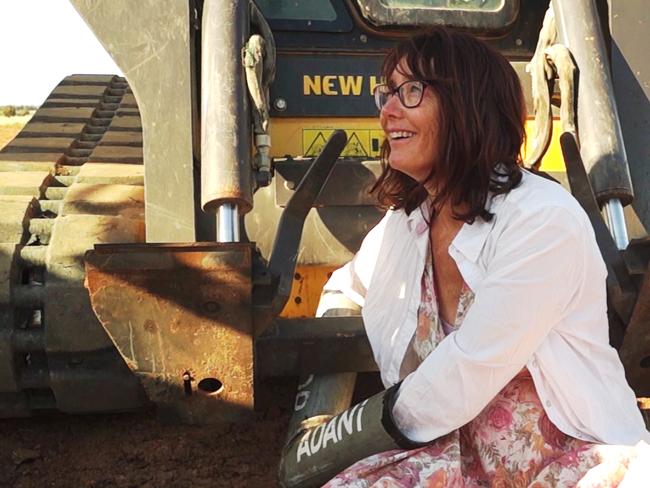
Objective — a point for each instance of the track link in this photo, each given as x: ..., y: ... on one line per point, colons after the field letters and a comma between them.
x: 71, y: 178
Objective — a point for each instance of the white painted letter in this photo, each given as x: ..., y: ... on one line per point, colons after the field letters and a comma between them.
x: 330, y: 433
x: 303, y: 447
x: 315, y: 446
x: 301, y: 400
x: 359, y: 415
x: 346, y: 420
x: 307, y: 382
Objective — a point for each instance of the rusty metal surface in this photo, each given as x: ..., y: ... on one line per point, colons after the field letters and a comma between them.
x: 180, y: 316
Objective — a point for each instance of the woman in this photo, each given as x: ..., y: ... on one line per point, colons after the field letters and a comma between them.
x: 482, y: 289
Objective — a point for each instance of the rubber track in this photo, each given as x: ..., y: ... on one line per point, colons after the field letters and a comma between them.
x: 87, y: 122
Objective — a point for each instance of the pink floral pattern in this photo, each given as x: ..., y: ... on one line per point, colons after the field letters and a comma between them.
x: 511, y: 444
x: 431, y: 329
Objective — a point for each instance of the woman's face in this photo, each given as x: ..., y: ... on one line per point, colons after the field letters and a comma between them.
x: 411, y: 132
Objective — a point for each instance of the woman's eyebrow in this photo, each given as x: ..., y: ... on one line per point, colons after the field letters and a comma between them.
x: 393, y: 84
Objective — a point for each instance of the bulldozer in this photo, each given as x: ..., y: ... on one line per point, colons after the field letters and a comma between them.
x: 167, y: 233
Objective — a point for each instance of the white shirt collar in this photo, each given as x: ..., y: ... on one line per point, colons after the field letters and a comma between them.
x: 470, y: 239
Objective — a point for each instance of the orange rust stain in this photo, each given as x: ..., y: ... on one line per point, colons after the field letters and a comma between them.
x: 150, y: 326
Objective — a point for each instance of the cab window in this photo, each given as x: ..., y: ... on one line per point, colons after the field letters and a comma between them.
x: 297, y: 10
x: 306, y: 15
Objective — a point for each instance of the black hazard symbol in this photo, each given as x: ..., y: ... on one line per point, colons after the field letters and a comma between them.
x: 316, y: 146
x: 354, y: 147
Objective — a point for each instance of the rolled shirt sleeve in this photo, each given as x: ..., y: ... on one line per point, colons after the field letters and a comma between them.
x: 531, y: 278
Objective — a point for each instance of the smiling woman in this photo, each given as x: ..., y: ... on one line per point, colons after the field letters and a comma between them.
x: 480, y: 123
x: 411, y: 122
x: 483, y: 298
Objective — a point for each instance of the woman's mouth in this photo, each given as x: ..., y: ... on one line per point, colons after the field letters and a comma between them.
x: 400, y: 135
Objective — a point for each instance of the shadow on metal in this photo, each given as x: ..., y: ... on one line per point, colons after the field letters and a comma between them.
x: 184, y: 316
x: 628, y: 281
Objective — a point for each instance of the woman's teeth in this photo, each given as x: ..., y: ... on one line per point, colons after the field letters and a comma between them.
x: 401, y: 135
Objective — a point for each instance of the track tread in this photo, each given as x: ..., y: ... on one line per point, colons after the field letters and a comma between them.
x: 58, y: 171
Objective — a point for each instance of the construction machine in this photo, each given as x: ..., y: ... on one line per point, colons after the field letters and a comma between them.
x: 166, y: 234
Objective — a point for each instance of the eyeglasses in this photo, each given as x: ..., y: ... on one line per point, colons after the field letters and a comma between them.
x: 410, y: 93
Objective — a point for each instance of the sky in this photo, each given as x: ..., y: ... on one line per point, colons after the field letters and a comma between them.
x: 41, y: 42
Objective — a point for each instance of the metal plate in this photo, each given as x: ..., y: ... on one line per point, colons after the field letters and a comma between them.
x: 323, y: 346
x: 349, y: 183
x: 180, y: 316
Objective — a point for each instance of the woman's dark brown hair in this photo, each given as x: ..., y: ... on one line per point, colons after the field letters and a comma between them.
x: 481, y: 126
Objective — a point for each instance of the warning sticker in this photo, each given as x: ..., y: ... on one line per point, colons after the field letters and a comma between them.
x: 365, y: 143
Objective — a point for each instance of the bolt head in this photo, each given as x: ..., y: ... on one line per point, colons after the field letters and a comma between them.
x: 280, y: 104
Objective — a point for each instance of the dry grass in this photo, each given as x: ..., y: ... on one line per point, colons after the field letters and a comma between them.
x: 10, y: 127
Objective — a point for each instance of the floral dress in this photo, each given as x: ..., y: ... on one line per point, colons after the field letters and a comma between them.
x: 510, y: 444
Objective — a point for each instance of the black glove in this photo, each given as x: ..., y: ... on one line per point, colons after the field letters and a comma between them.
x: 316, y: 454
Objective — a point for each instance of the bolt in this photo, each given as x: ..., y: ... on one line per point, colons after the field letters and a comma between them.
x: 363, y: 38
x: 187, y: 383
x: 280, y: 104
x: 211, y: 307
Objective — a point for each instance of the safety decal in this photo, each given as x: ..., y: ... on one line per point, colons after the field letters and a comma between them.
x: 365, y: 143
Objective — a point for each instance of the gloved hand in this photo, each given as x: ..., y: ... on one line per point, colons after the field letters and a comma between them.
x: 318, y: 453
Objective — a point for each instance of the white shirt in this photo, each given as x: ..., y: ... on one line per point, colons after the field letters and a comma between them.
x: 540, y: 302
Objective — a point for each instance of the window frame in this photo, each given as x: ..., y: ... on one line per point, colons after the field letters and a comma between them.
x: 377, y: 14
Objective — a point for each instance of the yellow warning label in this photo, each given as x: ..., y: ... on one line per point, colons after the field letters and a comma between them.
x: 365, y: 143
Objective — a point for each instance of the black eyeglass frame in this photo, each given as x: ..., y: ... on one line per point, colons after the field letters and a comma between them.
x: 392, y: 91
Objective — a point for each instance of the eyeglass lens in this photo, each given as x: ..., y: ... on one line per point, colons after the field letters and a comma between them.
x: 409, y: 93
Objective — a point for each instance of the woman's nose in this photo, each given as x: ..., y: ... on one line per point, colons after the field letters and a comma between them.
x: 392, y: 106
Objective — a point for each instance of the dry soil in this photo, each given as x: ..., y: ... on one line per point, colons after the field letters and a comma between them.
x: 9, y: 127
x: 136, y: 450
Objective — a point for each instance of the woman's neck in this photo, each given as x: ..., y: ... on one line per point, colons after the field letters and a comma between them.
x: 445, y: 211
x: 444, y: 220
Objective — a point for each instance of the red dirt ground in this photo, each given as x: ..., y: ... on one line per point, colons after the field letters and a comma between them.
x: 136, y: 450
